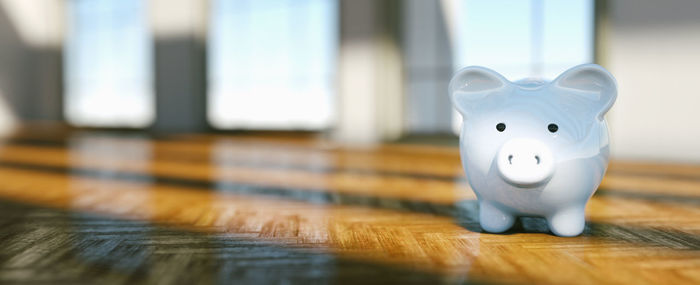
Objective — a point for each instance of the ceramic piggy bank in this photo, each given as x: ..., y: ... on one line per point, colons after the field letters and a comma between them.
x: 534, y: 148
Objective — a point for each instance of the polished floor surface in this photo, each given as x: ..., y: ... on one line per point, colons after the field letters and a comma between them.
x: 122, y: 208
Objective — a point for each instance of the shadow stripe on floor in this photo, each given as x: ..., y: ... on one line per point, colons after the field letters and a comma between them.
x: 79, y: 248
x: 465, y: 212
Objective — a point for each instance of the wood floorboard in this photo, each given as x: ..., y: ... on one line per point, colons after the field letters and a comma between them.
x: 119, y: 208
x: 45, y: 245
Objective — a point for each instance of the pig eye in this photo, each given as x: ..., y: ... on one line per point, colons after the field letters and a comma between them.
x: 553, y: 128
x: 501, y: 127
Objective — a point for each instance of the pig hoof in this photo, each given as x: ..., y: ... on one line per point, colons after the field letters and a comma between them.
x: 493, y: 219
x: 567, y: 223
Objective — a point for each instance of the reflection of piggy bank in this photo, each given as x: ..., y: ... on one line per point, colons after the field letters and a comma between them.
x: 532, y: 148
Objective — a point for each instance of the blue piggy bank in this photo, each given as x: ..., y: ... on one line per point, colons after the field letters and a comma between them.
x: 534, y: 148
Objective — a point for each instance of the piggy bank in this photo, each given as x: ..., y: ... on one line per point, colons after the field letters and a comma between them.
x: 534, y: 148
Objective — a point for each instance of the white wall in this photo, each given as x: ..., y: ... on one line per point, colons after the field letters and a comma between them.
x: 369, y: 102
x: 428, y: 63
x: 30, y: 61
x: 653, y: 49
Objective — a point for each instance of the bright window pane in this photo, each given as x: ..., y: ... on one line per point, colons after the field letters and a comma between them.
x: 272, y: 64
x: 108, y: 64
x: 523, y: 38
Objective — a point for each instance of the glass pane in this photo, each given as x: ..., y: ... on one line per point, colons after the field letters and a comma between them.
x: 524, y: 38
x: 108, y: 64
x: 272, y: 64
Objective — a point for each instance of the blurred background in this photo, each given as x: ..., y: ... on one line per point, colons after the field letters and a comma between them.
x: 355, y: 71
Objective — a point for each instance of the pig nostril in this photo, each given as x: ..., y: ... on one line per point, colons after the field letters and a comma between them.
x: 537, y: 157
x: 510, y: 159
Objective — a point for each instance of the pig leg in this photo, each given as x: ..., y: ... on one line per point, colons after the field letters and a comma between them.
x: 494, y: 219
x: 567, y: 222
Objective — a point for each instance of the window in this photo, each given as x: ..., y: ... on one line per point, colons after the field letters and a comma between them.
x: 519, y: 39
x: 526, y: 38
x: 272, y: 64
x: 108, y: 64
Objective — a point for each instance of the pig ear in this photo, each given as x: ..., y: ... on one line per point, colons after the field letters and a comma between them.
x: 593, y: 82
x: 472, y: 84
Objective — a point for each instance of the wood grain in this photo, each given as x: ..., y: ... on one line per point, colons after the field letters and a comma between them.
x: 122, y: 208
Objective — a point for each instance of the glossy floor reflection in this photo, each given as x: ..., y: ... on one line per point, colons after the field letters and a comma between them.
x: 84, y: 206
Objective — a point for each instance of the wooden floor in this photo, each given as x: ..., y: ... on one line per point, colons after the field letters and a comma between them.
x: 83, y: 207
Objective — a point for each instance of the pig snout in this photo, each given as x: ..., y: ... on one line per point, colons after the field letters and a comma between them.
x: 525, y: 162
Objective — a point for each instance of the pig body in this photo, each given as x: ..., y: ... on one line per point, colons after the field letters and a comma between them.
x: 534, y: 148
